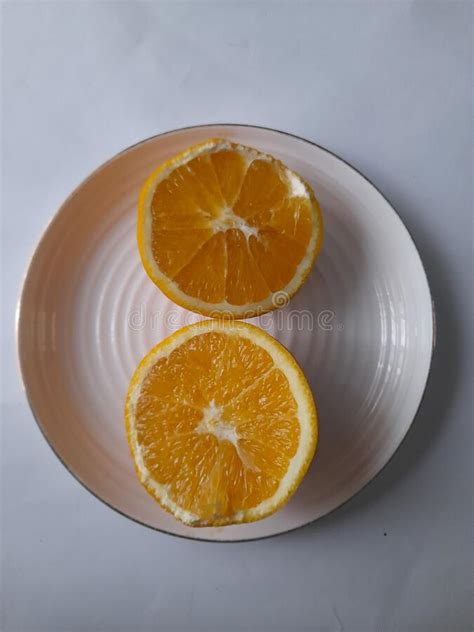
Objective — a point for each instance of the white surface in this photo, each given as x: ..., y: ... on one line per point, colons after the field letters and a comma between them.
x: 385, y: 85
x: 360, y: 328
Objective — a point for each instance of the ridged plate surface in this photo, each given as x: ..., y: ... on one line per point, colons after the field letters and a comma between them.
x: 361, y: 328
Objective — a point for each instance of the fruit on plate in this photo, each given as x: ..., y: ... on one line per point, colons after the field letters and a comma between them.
x: 221, y: 423
x: 227, y: 231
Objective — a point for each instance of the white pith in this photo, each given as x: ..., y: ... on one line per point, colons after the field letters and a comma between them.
x: 211, y: 423
x: 229, y: 219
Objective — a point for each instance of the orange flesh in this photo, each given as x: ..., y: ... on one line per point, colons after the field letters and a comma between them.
x: 226, y: 231
x: 217, y: 424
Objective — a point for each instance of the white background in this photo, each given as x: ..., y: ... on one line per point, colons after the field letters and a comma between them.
x: 386, y: 85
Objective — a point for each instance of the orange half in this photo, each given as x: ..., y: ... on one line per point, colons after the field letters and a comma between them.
x: 221, y: 423
x: 227, y: 231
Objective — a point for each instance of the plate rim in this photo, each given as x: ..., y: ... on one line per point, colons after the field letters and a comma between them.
x: 19, y: 317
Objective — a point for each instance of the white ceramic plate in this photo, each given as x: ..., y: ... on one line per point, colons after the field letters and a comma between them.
x: 361, y: 328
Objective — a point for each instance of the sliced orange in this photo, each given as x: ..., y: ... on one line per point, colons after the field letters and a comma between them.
x: 221, y: 423
x: 227, y: 231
